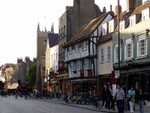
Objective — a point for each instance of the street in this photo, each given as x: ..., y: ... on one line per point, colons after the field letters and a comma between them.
x: 21, y: 105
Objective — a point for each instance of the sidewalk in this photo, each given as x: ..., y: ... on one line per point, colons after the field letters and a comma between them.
x: 90, y: 107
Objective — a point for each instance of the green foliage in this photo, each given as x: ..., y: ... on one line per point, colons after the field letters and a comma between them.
x: 31, y: 75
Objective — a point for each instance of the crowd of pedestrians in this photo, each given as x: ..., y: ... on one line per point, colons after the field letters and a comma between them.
x: 125, y: 100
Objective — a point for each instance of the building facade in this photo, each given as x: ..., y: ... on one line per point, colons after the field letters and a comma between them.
x: 81, y: 56
x: 134, y: 50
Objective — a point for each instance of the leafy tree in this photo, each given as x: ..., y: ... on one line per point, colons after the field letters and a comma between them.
x: 31, y: 75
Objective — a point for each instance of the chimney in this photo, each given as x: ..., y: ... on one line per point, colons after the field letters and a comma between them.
x: 138, y: 3
x: 116, y: 9
x: 110, y: 7
x: 130, y: 5
x: 104, y: 9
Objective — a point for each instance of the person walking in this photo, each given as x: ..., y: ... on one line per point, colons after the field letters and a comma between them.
x: 131, y: 99
x: 141, y: 100
x: 120, y: 95
x: 104, y: 97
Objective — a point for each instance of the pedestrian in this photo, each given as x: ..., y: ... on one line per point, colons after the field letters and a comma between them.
x: 104, y: 98
x: 120, y: 95
x: 109, y: 96
x: 141, y: 100
x: 131, y: 99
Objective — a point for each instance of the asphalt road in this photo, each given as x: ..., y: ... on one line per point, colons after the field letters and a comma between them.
x: 21, y: 105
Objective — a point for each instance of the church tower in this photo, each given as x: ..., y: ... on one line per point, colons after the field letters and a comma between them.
x: 42, y: 37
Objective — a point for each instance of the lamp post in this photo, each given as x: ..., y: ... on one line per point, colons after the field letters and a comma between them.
x: 118, y: 23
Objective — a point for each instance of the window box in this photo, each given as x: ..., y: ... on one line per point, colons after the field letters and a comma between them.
x: 90, y: 72
x: 81, y: 73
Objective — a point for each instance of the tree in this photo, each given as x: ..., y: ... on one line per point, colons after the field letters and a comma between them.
x: 31, y: 75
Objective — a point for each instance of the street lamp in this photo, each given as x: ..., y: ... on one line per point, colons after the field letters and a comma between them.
x: 118, y: 22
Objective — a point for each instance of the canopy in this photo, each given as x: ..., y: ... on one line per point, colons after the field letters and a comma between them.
x: 12, y: 86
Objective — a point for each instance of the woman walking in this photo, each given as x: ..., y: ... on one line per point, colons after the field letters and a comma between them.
x: 131, y: 99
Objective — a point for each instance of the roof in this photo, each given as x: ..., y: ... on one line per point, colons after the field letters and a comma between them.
x: 124, y: 15
x: 105, y: 38
x: 88, y: 29
x: 7, y: 65
x: 140, y: 8
x: 53, y: 38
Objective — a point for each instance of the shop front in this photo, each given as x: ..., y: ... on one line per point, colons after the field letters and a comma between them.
x: 83, y: 85
x: 138, y: 78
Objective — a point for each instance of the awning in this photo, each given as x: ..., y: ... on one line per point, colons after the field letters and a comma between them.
x: 82, y: 80
x: 12, y: 86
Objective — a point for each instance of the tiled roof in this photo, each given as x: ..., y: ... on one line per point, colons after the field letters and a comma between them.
x: 105, y: 38
x: 124, y: 15
x: 140, y: 8
x: 88, y: 29
x: 53, y: 38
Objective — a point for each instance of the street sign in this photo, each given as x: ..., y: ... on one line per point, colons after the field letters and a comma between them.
x: 117, y: 73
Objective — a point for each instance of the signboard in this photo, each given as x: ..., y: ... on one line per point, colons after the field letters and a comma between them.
x: 117, y: 73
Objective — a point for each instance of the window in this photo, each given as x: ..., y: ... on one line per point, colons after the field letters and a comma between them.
x: 88, y: 64
x: 122, y: 25
x: 108, y: 53
x: 145, y: 14
x: 79, y: 65
x: 116, y: 53
x: 44, y: 42
x: 84, y: 45
x: 102, y: 55
x: 70, y: 50
x: 132, y: 21
x: 128, y: 49
x: 77, y: 48
x: 74, y: 66
x: 104, y: 29
x: 142, y: 46
x: 111, y: 26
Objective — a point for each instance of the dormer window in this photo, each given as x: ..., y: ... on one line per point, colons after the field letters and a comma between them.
x: 132, y: 20
x: 111, y: 26
x: 104, y: 29
x: 145, y: 14
x: 122, y: 25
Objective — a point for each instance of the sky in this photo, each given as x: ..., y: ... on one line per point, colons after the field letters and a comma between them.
x: 19, y: 19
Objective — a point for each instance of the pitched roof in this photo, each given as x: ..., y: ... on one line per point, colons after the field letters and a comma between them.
x: 53, y: 39
x: 88, y: 29
x: 140, y: 8
x: 105, y: 38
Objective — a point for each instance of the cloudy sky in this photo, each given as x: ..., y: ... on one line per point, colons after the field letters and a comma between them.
x: 19, y: 19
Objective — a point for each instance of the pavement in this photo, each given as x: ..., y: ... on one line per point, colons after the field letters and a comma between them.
x: 90, y: 107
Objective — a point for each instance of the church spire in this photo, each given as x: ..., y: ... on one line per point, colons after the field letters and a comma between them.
x: 52, y: 28
x: 38, y: 26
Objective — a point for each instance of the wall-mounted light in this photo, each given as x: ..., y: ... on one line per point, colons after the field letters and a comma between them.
x: 147, y: 31
x: 133, y: 35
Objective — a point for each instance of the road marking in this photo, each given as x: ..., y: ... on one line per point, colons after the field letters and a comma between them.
x: 40, y: 109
